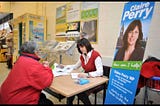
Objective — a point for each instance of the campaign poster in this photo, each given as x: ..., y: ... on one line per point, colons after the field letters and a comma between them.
x: 128, y: 56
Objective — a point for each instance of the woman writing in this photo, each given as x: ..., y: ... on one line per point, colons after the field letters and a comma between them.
x: 91, y: 62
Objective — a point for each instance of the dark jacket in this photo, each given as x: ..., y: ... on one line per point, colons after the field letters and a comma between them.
x: 137, y: 54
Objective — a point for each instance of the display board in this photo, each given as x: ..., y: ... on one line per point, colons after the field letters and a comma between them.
x: 73, y: 18
x: 129, y: 52
x: 64, y: 46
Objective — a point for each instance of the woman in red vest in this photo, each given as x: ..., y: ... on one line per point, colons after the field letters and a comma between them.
x: 91, y: 61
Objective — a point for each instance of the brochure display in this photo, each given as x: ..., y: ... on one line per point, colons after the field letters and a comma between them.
x: 49, y: 49
x: 64, y: 47
x: 46, y: 52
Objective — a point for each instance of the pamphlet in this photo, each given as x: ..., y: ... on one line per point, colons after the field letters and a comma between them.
x: 74, y: 75
x: 61, y: 70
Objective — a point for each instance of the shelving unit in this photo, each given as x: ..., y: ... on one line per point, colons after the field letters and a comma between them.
x: 28, y: 27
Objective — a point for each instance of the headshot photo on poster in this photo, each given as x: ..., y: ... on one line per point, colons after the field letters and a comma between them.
x: 131, y: 45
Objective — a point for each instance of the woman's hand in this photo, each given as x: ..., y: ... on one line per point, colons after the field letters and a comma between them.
x: 60, y: 66
x: 83, y: 75
x: 45, y: 63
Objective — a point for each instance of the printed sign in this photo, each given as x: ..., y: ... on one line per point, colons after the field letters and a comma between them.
x: 129, y: 52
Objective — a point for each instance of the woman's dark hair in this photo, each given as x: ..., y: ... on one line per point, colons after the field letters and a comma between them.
x: 84, y: 42
x: 29, y: 47
x: 131, y: 27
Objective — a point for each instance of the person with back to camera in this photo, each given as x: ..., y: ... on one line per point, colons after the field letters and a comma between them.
x: 131, y: 50
x: 27, y: 78
x: 91, y: 61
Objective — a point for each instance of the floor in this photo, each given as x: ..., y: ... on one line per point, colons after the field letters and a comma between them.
x: 154, y: 96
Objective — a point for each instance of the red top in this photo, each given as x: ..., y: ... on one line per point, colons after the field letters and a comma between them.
x: 25, y: 81
x: 149, y: 70
x: 90, y: 66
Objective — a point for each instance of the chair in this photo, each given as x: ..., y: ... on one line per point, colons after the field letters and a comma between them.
x: 106, y: 72
x: 152, y: 84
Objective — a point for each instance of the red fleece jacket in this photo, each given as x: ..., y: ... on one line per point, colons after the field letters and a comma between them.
x: 25, y: 81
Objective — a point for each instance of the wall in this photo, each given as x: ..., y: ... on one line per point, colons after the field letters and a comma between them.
x: 20, y: 8
x: 4, y: 6
x: 108, y: 26
x: 152, y: 47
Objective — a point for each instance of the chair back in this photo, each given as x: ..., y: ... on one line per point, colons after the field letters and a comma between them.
x: 106, y: 71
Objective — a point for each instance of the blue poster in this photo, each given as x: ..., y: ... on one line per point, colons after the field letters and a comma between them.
x: 129, y: 52
x: 36, y: 32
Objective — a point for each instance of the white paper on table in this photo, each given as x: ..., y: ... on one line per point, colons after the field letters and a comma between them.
x: 57, y: 71
x: 74, y: 75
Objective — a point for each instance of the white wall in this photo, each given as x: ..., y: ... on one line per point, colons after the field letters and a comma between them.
x: 153, y: 43
x: 108, y: 29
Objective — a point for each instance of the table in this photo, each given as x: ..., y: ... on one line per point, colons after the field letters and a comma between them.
x: 65, y: 87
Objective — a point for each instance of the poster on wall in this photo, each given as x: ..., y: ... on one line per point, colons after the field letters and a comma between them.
x: 36, y: 31
x: 61, y: 29
x: 129, y: 53
x: 89, y: 17
x: 73, y: 29
x: 73, y: 20
x: 73, y: 12
x: 90, y: 28
x: 89, y: 10
x: 61, y: 15
x: 61, y: 21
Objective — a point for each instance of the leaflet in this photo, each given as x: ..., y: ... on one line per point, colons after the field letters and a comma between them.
x: 74, y: 75
x: 61, y: 70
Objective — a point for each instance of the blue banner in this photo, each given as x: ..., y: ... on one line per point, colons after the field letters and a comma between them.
x: 129, y: 52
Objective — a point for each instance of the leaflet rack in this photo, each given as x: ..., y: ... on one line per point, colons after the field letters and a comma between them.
x: 64, y: 47
x: 46, y: 51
